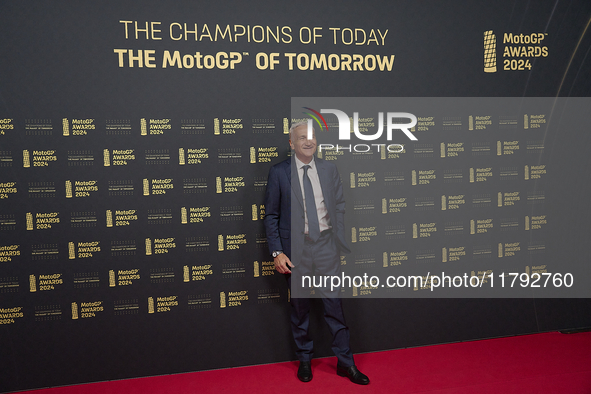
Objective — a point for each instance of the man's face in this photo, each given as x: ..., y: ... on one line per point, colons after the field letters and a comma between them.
x: 303, y: 147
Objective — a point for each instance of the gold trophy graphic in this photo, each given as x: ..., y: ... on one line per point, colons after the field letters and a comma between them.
x: 66, y: 127
x: 183, y: 215
x: 109, y: 218
x: 26, y: 159
x: 68, y: 189
x: 490, y: 52
x: 146, y: 184
x: 256, y: 269
x: 71, y: 251
x: 218, y: 184
x: 32, y: 283
x: 143, y: 126
x: 216, y: 126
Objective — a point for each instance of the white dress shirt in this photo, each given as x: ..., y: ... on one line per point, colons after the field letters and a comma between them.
x: 321, y: 210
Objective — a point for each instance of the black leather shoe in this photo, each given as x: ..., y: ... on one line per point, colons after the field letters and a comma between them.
x: 353, y: 374
x: 305, y: 371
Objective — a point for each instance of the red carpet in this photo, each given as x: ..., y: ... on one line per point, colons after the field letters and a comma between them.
x: 540, y: 363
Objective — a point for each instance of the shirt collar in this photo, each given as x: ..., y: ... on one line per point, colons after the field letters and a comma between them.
x: 300, y: 164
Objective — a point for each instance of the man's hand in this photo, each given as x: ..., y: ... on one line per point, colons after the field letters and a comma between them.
x: 283, y: 264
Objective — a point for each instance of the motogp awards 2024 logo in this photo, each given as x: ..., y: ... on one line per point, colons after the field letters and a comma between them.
x: 345, y: 130
x: 517, y: 52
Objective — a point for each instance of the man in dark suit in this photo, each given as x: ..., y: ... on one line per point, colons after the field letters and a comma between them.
x: 309, y: 244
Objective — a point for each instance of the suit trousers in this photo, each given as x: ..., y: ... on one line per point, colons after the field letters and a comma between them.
x: 320, y: 258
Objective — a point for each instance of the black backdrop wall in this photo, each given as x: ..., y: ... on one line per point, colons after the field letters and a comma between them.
x: 135, y: 141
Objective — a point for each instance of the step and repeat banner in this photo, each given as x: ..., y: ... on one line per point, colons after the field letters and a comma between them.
x: 136, y: 139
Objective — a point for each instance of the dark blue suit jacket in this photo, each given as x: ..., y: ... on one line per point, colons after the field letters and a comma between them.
x: 284, y: 221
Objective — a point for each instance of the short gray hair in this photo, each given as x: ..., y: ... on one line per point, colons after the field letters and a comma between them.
x: 298, y: 124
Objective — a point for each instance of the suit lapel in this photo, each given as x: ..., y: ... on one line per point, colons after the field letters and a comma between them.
x: 292, y: 173
x: 324, y: 181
